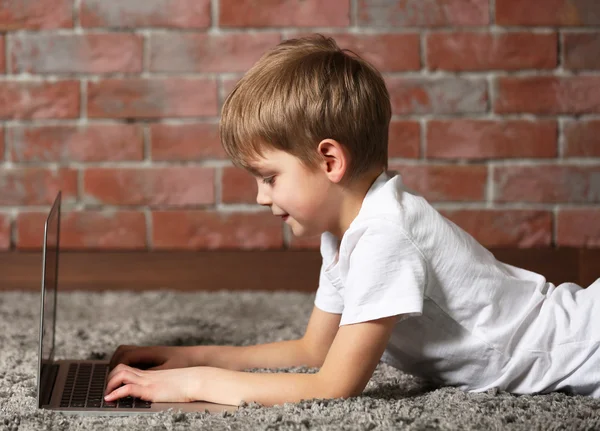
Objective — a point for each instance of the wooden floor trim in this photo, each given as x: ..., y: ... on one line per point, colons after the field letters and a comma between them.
x: 291, y: 270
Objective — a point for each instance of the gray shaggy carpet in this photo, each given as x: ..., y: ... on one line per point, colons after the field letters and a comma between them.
x: 91, y: 325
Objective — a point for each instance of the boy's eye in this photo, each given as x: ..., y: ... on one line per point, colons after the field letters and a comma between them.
x: 269, y: 180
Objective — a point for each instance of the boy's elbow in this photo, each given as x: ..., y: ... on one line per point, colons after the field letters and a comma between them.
x: 339, y: 389
x: 314, y: 357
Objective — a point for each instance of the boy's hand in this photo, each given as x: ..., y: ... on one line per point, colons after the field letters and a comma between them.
x: 156, y: 386
x: 156, y: 357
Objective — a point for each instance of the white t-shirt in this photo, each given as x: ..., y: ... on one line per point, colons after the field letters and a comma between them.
x: 467, y: 319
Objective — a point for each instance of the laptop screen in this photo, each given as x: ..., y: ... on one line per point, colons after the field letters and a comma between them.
x: 49, y: 280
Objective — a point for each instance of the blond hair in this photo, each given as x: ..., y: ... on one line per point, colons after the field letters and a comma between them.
x: 303, y: 91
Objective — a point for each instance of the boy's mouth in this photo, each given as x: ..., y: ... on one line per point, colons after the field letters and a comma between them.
x: 284, y: 217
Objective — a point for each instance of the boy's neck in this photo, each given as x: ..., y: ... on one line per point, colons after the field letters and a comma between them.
x: 351, y: 202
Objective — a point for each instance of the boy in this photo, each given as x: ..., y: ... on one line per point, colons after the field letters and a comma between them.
x: 398, y: 283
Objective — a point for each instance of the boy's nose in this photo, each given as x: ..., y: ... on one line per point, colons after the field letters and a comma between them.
x: 262, y: 198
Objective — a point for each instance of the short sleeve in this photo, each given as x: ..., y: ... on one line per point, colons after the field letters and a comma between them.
x: 328, y: 297
x: 386, y: 276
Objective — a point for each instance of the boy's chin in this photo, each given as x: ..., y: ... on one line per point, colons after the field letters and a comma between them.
x: 301, y: 232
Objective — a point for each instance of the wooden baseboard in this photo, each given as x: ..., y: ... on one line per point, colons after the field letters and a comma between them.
x: 292, y: 270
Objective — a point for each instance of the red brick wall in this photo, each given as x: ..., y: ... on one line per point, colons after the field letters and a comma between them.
x: 496, y: 115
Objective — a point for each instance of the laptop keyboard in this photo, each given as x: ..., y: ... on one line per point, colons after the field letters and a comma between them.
x: 85, y: 388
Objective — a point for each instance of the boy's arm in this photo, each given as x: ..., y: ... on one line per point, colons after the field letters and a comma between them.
x: 310, y: 350
x: 349, y: 364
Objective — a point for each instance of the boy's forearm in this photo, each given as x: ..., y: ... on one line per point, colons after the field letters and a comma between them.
x: 279, y: 354
x: 222, y: 386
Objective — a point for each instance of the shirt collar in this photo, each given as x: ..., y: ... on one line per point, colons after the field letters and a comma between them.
x: 377, y: 184
x: 329, y: 243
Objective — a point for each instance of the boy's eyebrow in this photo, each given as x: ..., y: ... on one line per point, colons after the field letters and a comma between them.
x: 256, y: 170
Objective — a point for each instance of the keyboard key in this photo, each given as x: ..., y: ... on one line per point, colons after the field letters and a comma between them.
x: 126, y: 402
x: 85, y: 385
x: 141, y: 404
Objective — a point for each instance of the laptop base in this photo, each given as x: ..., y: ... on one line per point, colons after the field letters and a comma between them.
x: 61, y: 383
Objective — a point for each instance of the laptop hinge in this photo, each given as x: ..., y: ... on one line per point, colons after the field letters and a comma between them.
x: 47, y: 380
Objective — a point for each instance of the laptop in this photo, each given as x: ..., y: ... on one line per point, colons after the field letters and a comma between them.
x: 77, y: 386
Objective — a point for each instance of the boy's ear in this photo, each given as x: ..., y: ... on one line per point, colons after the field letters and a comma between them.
x: 335, y: 159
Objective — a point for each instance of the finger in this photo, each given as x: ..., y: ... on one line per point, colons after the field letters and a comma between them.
x: 129, y: 390
x: 123, y: 355
x: 121, y: 368
x: 115, y: 370
x: 138, y: 355
x: 118, y: 355
x: 123, y: 377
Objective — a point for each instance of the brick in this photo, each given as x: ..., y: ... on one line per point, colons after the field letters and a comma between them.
x: 423, y: 13
x: 580, y: 51
x: 29, y: 230
x: 484, y: 51
x: 191, y: 141
x: 404, y: 139
x: 35, y: 15
x: 548, y: 95
x: 578, y: 228
x: 547, y: 184
x: 5, y: 231
x: 214, y: 230
x: 175, y: 186
x: 228, y: 84
x: 152, y: 98
x: 39, y: 100
x: 114, y: 230
x: 437, y: 95
x: 548, y: 12
x: 2, y: 145
x: 387, y: 52
x: 581, y: 138
x: 77, y: 53
x: 36, y: 186
x: 64, y: 143
x: 505, y: 228
x: 202, y: 52
x: 2, y: 55
x: 188, y: 14
x: 444, y: 183
x: 486, y: 139
x: 238, y: 186
x: 284, y: 13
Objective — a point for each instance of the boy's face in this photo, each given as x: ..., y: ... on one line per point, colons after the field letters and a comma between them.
x: 300, y: 196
